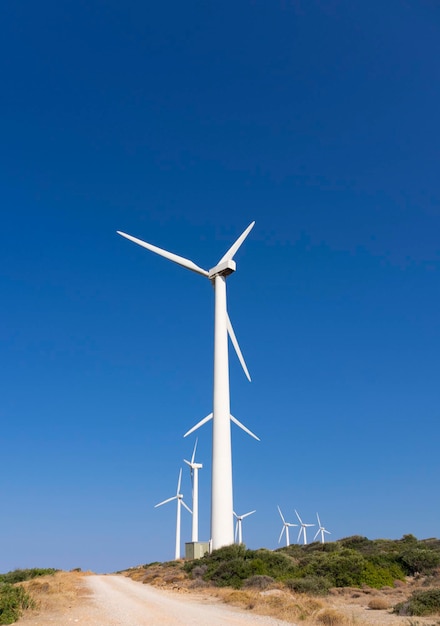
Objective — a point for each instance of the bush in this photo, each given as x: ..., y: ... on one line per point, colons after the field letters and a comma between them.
x: 258, y: 582
x: 231, y: 573
x: 20, y: 575
x: 199, y: 571
x: 378, y: 604
x: 331, y: 617
x: 344, y: 568
x: 13, y: 600
x: 279, y: 565
x: 314, y: 585
x: 419, y: 560
x: 420, y: 603
x: 377, y: 576
x: 235, y: 563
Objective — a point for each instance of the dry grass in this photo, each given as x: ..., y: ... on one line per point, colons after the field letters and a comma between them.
x: 57, y: 592
x: 378, y: 603
x: 331, y: 617
x: 274, y: 603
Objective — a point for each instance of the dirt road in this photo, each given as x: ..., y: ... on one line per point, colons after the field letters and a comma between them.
x: 119, y: 601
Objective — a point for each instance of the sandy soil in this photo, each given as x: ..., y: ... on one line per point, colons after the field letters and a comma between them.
x: 120, y: 601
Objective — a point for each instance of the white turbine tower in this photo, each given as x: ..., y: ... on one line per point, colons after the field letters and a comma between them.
x: 180, y: 502
x: 238, y: 526
x: 321, y: 530
x: 286, y: 526
x: 194, y: 467
x: 302, y: 530
x: 222, y: 525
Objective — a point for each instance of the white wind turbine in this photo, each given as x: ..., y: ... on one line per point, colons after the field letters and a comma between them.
x: 222, y: 526
x: 238, y: 526
x: 286, y: 526
x: 180, y: 502
x: 321, y: 530
x: 194, y: 467
x: 302, y: 529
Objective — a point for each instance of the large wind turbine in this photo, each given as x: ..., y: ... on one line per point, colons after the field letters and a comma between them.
x: 302, y: 530
x: 194, y: 467
x: 222, y: 526
x: 238, y: 526
x: 321, y: 530
x: 286, y: 526
x: 180, y: 502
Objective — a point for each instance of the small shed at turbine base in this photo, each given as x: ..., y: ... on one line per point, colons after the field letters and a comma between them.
x: 196, y: 549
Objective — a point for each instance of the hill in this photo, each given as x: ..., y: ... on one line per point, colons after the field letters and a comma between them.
x: 353, y: 581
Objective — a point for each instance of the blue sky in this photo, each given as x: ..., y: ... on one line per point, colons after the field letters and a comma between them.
x: 180, y: 123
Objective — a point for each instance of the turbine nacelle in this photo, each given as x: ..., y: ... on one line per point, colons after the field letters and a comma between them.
x: 222, y: 269
x: 193, y: 466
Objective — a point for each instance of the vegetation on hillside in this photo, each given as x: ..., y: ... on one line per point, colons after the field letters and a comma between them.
x: 13, y: 598
x: 20, y: 575
x: 314, y: 568
x: 420, y: 603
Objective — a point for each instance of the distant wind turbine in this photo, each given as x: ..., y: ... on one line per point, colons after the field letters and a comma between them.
x: 302, y: 529
x: 238, y: 526
x: 194, y: 467
x: 222, y: 523
x: 180, y: 502
x: 285, y: 528
x: 321, y: 530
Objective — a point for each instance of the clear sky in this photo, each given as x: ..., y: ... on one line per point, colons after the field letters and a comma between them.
x: 180, y: 123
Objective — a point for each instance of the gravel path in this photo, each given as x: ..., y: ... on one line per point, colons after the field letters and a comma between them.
x: 120, y: 601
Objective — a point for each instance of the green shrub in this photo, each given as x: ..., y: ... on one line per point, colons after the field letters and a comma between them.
x: 377, y: 576
x: 20, y: 575
x: 231, y: 573
x: 235, y: 563
x: 344, y: 568
x: 13, y: 600
x: 420, y: 603
x: 314, y: 585
x: 350, y: 562
x: 419, y: 560
x: 276, y: 564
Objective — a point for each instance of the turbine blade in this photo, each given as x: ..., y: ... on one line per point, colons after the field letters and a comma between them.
x: 194, y: 451
x: 165, y: 501
x: 186, y: 506
x: 203, y: 421
x: 236, y: 532
x: 246, y: 430
x: 180, y: 260
x: 326, y: 531
x: 281, y: 534
x: 319, y: 521
x: 237, y: 347
x: 279, y: 510
x: 299, y: 534
x: 298, y: 516
x: 179, y: 481
x: 233, y: 249
x: 246, y: 514
x: 187, y: 462
x: 316, y: 534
